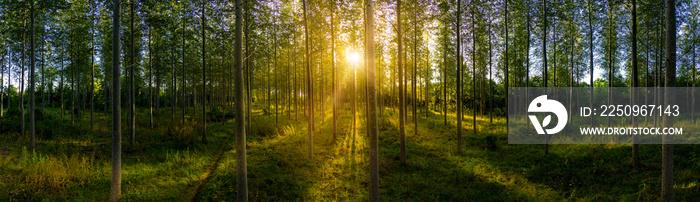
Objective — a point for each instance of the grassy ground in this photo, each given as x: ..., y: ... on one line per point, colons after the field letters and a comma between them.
x: 169, y: 163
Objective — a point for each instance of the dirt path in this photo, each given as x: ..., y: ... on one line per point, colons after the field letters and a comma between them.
x: 191, y: 193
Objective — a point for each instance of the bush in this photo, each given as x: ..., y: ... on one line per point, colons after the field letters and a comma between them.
x: 45, y: 125
x: 216, y: 114
x: 51, y: 174
x: 263, y: 128
x: 491, y: 142
x: 180, y: 132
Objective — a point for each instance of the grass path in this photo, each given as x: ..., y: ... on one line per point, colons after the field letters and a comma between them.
x: 192, y: 194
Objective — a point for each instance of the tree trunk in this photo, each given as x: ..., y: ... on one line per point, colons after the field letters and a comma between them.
x: 474, y: 70
x: 590, y: 49
x: 373, y: 132
x: 2, y: 82
x: 610, y: 58
x: 544, y: 59
x: 277, y: 89
x: 132, y: 61
x: 184, y: 84
x: 571, y: 71
x: 309, y: 89
x: 402, y: 93
x: 527, y: 62
x: 635, y: 82
x: 427, y: 82
x: 61, y: 87
x: 173, y: 86
x: 21, y: 89
x: 249, y: 76
x: 415, y: 70
x: 241, y: 167
x: 491, y: 73
x: 116, y: 190
x: 444, y: 78
x: 506, y: 64
x: 667, y: 146
x: 92, y: 74
x: 204, y: 79
x: 333, y: 87
x: 459, y: 77
x: 150, y: 80
x: 32, y: 83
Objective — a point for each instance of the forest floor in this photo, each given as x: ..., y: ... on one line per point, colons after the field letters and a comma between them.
x: 169, y: 162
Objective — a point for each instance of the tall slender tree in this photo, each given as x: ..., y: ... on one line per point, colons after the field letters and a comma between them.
x: 309, y: 89
x: 241, y: 167
x: 92, y: 68
x: 527, y: 56
x: 635, y: 82
x: 402, y: 87
x: 544, y: 59
x: 507, y: 61
x: 458, y: 51
x: 32, y: 82
x: 204, y: 76
x: 184, y: 81
x: 116, y: 183
x: 590, y: 51
x: 2, y: 79
x: 474, y: 66
x: 373, y: 131
x: 444, y: 76
x: 415, y: 68
x: 150, y: 79
x: 669, y: 98
x: 132, y: 64
x: 333, y: 87
x: 491, y: 73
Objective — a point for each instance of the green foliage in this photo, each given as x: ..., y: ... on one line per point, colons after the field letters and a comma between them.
x: 217, y: 113
x: 263, y: 127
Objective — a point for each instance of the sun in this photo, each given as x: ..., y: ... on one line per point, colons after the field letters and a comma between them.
x: 354, y: 57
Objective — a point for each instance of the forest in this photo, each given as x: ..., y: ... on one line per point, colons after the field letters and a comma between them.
x: 335, y: 100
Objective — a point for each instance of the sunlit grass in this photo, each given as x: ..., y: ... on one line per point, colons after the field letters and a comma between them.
x: 169, y: 163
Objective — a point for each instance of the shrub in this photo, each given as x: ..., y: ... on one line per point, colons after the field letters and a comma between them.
x: 263, y: 128
x: 180, y: 132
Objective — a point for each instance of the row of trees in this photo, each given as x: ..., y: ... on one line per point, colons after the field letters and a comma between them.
x: 583, y: 39
x: 287, y: 47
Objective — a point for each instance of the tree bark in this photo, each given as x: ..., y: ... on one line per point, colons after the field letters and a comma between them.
x: 92, y: 73
x: 116, y: 190
x: 335, y: 95
x: 150, y: 80
x: 402, y: 93
x: 204, y: 79
x: 590, y: 49
x: 544, y: 59
x: 415, y: 70
x: 132, y: 102
x: 309, y: 89
x: 635, y: 82
x: 474, y: 69
x: 373, y: 132
x: 184, y: 80
x: 241, y: 167
x: 32, y: 112
x: 506, y: 62
x: 459, y: 77
x: 667, y: 146
x: 491, y: 73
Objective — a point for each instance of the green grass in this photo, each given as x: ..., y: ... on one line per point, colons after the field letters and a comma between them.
x: 169, y: 163
x: 165, y: 164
